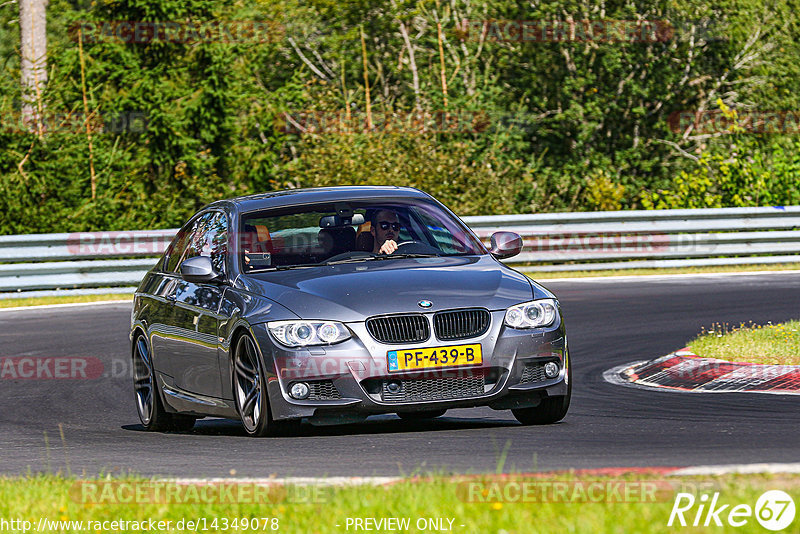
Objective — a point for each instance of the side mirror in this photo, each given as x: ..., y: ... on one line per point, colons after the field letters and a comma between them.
x: 198, y: 270
x: 505, y: 245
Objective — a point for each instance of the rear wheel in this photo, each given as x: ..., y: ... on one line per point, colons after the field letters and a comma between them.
x: 550, y: 410
x: 250, y: 391
x: 416, y: 416
x: 148, y: 402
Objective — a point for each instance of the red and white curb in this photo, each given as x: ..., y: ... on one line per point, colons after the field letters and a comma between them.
x: 685, y: 371
x: 698, y: 470
x: 289, y: 481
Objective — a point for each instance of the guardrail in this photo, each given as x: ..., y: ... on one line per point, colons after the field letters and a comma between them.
x: 552, y: 242
x: 646, y: 239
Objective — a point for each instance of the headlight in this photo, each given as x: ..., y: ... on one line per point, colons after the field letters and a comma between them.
x: 303, y: 333
x: 534, y: 314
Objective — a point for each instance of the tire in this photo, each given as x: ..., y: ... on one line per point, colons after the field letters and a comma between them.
x: 418, y: 416
x: 151, y: 411
x: 250, y: 393
x: 550, y: 410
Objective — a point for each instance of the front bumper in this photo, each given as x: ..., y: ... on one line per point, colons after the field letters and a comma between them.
x: 351, y: 380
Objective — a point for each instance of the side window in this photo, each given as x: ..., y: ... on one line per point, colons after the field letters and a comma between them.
x: 207, y: 236
x: 444, y: 239
x: 178, y: 246
x: 217, y: 241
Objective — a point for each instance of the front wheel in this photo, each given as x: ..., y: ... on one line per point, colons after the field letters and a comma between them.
x: 250, y: 391
x: 148, y: 402
x: 550, y: 410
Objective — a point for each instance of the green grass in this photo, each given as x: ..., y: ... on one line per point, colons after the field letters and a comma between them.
x: 767, y: 344
x: 673, y: 270
x: 304, y: 511
x: 66, y: 299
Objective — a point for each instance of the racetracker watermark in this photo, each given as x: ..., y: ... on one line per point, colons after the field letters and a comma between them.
x: 77, y: 122
x: 564, y: 31
x: 567, y: 491
x: 146, y: 32
x: 591, y: 242
x: 321, y: 367
x: 148, y: 243
x: 192, y: 524
x: 748, y: 121
x: 416, y: 122
x: 609, y: 244
x: 170, y: 492
x: 57, y: 368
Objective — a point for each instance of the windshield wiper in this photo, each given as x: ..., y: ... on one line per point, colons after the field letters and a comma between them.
x: 398, y: 256
x: 348, y: 260
x: 286, y: 267
x: 379, y: 257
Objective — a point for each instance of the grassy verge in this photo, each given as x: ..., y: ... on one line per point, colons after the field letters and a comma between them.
x: 480, y: 506
x: 768, y: 344
x: 675, y: 270
x: 66, y: 299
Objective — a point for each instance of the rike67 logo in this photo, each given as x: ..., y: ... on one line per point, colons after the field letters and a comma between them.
x: 774, y: 510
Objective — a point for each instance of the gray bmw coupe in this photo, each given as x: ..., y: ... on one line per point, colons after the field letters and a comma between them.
x: 337, y: 303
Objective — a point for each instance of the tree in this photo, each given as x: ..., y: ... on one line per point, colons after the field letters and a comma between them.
x: 33, y: 61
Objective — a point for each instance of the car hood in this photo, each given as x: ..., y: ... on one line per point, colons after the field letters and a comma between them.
x: 354, y: 291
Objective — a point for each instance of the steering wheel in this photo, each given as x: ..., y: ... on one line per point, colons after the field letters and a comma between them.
x: 353, y: 254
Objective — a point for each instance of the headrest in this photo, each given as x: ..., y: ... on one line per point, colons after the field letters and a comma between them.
x: 263, y: 232
x: 256, y: 238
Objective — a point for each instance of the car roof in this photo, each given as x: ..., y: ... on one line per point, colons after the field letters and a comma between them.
x: 291, y: 197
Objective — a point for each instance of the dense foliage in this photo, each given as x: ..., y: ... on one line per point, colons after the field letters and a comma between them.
x: 398, y: 92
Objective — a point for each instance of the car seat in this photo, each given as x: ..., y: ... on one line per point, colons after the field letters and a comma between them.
x: 256, y: 238
x: 337, y: 240
x: 365, y: 241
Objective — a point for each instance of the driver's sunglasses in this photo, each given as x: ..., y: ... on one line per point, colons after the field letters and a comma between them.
x: 386, y: 224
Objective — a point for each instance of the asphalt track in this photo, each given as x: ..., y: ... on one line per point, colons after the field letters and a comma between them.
x: 609, y: 323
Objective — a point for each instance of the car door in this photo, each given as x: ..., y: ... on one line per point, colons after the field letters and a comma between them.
x: 161, y: 301
x: 192, y: 360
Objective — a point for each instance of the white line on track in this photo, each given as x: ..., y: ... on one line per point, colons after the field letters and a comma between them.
x: 745, y: 469
x: 612, y: 376
x: 67, y: 305
x: 651, y: 277
x: 698, y: 470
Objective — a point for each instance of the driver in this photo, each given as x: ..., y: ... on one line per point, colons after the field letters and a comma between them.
x: 385, y: 228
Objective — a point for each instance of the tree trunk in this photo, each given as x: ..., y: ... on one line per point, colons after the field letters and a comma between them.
x: 33, y: 61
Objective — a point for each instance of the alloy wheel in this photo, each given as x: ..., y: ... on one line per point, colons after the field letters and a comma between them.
x: 143, y: 380
x: 247, y: 381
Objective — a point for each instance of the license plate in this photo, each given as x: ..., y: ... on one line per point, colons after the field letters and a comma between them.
x: 452, y: 355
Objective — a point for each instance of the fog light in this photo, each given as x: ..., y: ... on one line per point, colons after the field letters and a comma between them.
x: 299, y: 390
x: 393, y: 386
x: 551, y: 369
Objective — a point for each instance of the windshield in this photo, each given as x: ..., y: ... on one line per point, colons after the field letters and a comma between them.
x: 333, y: 232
